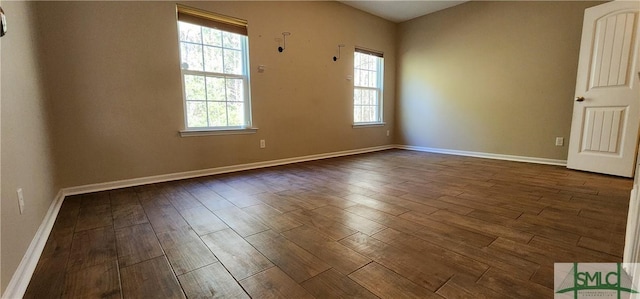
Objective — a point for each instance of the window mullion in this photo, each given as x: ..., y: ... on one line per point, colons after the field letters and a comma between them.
x: 213, y: 74
x: 367, y: 88
x: 226, y: 99
x: 204, y: 67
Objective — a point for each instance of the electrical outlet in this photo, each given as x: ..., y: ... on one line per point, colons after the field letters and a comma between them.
x: 559, y: 141
x: 20, y: 200
x: 387, y: 132
x: 263, y: 144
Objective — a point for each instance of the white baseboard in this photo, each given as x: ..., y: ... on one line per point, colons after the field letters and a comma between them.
x: 21, y: 278
x: 484, y: 155
x: 213, y: 171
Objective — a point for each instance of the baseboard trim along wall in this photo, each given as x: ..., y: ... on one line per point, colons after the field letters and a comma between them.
x: 21, y: 278
x: 213, y: 171
x: 484, y: 155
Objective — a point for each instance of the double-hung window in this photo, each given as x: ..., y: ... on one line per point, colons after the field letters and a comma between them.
x: 368, y: 76
x: 215, y: 71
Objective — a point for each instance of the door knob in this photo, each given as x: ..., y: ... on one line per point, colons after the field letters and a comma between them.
x: 579, y: 99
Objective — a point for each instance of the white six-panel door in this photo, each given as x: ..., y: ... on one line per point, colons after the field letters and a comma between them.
x: 606, y: 111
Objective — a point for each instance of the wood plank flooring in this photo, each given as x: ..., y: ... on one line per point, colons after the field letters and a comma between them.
x: 391, y: 224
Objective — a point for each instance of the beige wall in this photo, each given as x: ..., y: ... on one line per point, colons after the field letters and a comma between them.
x: 100, y: 81
x: 495, y: 77
x: 26, y: 152
x: 95, y: 87
x: 112, y: 69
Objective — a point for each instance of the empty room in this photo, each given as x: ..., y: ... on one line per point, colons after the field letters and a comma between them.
x: 319, y: 149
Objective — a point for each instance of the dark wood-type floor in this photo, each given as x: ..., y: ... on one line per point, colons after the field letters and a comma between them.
x: 392, y: 224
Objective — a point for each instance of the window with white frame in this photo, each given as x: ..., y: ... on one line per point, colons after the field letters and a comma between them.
x: 215, y: 72
x: 367, y: 87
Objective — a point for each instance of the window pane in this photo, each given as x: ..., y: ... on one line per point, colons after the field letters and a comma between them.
x: 212, y: 37
x: 357, y: 96
x: 234, y: 90
x: 236, y: 114
x: 365, y: 78
x: 365, y: 62
x: 189, y: 32
x: 372, y: 78
x: 217, y: 114
x: 362, y: 61
x: 357, y: 114
x: 231, y: 40
x: 213, y: 59
x: 194, y: 88
x: 373, y: 98
x: 368, y: 62
x: 370, y: 97
x: 362, y: 78
x: 365, y: 97
x: 357, y: 75
x: 191, y: 56
x: 216, y: 89
x: 232, y: 62
x: 196, y: 114
x: 368, y: 114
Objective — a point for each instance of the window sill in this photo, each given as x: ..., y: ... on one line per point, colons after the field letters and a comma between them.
x: 204, y: 132
x: 368, y: 125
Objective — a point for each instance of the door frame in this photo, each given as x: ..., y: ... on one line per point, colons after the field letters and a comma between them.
x: 631, y: 257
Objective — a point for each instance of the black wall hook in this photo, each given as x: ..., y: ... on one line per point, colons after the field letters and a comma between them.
x: 335, y: 58
x: 284, y: 41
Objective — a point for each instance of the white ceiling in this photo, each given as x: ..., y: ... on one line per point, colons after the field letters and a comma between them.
x: 399, y: 10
